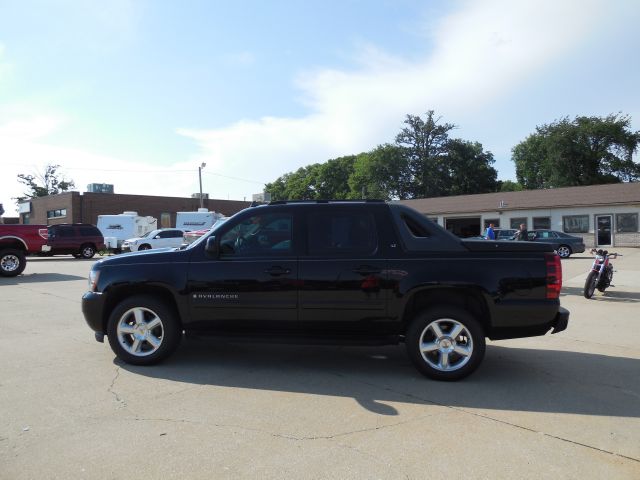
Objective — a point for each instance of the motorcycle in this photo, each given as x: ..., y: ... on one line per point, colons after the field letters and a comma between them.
x: 601, y: 272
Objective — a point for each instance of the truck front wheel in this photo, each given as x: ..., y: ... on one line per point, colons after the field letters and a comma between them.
x: 143, y: 330
x: 445, y: 343
x: 12, y: 262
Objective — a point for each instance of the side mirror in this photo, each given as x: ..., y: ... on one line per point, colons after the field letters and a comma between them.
x: 211, y: 247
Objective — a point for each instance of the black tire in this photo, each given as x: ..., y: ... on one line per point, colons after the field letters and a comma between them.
x: 471, y: 339
x: 564, y: 251
x: 87, y: 251
x: 144, y: 247
x: 161, y: 340
x: 606, y: 279
x: 590, y: 284
x: 12, y: 262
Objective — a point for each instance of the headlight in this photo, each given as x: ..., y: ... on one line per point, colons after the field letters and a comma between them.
x: 93, y: 280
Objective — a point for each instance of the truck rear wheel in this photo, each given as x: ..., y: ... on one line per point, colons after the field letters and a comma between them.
x: 143, y: 330
x: 445, y: 343
x: 12, y: 262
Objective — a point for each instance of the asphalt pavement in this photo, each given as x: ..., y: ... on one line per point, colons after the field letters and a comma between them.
x: 558, y: 406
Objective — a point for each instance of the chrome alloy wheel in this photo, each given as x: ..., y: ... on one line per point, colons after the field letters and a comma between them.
x: 446, y: 344
x: 10, y: 263
x: 140, y: 331
x: 564, y: 251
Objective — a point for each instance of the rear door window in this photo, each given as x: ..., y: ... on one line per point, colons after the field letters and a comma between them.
x: 341, y: 232
x: 89, y: 232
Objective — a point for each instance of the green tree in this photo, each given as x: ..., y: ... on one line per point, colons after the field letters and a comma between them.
x: 469, y: 168
x: 382, y: 173
x: 425, y: 143
x: 327, y: 180
x: 298, y: 185
x: 509, y: 186
x: 582, y: 151
x: 332, y: 178
x: 50, y: 182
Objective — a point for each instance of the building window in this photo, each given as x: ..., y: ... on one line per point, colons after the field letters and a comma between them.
x: 575, y: 224
x: 495, y: 221
x: 542, y: 223
x: 626, y: 222
x: 61, y: 212
x: 515, y: 222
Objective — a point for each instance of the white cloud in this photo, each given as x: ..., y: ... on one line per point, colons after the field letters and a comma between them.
x: 16, y: 131
x: 480, y: 53
x: 24, y: 149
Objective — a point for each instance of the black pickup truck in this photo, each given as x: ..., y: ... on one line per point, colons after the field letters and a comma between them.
x: 364, y: 273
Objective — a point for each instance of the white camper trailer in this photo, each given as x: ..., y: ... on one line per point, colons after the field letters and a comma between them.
x: 117, y: 228
x: 200, y: 220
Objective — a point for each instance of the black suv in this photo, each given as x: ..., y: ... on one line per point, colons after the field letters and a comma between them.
x: 329, y: 272
x: 78, y: 239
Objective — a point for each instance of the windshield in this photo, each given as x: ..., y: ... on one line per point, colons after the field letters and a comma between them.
x: 151, y: 234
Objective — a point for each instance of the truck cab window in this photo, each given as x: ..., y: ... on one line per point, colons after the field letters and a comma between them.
x: 414, y: 227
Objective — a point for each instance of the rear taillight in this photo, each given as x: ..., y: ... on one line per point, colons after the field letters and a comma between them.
x: 44, y: 233
x: 554, y: 275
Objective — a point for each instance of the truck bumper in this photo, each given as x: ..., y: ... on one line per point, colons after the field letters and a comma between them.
x: 558, y: 324
x: 561, y: 321
x: 92, y: 309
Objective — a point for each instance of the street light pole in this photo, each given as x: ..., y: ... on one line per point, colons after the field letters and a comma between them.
x: 200, y: 178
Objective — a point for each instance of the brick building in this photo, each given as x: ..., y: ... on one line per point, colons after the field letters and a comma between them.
x: 76, y: 207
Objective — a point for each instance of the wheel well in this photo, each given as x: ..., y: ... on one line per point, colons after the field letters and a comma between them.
x: 88, y: 244
x: 565, y: 245
x: 144, y: 245
x: 12, y: 242
x: 466, y: 298
x: 118, y: 294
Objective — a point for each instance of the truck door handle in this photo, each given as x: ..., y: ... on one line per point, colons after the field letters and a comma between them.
x: 277, y: 271
x: 366, y: 270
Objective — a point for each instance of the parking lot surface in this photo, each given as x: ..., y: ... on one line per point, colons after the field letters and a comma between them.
x: 558, y: 406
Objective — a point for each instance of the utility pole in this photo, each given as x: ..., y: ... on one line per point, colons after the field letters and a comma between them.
x: 200, y: 178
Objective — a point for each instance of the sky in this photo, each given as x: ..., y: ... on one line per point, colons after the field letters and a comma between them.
x: 139, y: 93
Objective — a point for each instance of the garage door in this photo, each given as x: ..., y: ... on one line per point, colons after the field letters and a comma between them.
x: 463, y: 226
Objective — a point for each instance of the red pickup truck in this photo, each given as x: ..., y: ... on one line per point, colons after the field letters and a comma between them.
x: 16, y: 242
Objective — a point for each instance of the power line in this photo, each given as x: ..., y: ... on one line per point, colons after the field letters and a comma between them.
x: 150, y: 171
